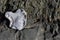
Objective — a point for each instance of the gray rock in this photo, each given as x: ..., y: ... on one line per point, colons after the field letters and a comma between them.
x: 9, y: 35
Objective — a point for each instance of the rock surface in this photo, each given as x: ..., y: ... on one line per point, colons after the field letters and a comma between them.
x: 43, y: 20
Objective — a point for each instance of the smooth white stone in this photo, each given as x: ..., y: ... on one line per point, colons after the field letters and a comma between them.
x: 18, y: 20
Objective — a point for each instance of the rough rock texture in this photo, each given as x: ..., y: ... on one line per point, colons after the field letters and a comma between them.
x: 43, y: 20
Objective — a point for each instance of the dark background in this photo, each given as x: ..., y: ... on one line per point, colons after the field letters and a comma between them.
x: 43, y: 20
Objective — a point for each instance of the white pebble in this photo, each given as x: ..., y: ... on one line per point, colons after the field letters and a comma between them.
x: 18, y: 19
